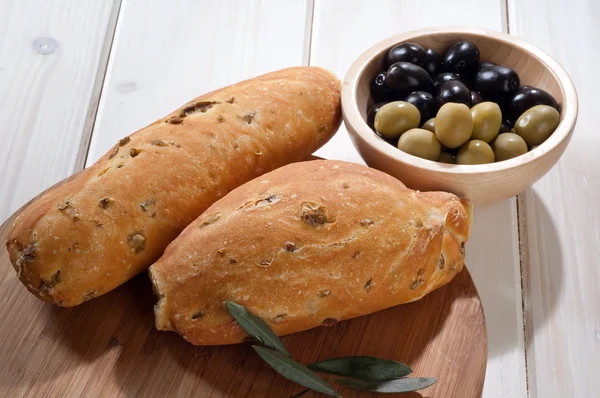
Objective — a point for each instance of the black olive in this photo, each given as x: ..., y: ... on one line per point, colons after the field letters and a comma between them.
x: 406, y: 77
x: 405, y: 52
x: 467, y: 82
x: 501, y: 99
x: 505, y: 127
x: 453, y: 91
x: 503, y: 102
x: 425, y: 103
x: 452, y: 151
x: 391, y: 141
x: 485, y: 64
x: 462, y: 58
x: 527, y: 97
x: 475, y: 98
x: 380, y: 91
x: 443, y: 78
x: 432, y: 63
x: 371, y: 113
x: 496, y: 81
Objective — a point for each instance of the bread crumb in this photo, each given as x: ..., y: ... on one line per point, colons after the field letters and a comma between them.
x: 279, y: 318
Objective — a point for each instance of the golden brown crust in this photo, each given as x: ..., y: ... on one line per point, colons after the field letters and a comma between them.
x: 88, y: 236
x: 305, y: 245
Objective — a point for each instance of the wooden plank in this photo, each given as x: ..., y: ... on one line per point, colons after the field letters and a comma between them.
x: 560, y: 217
x: 166, y: 54
x: 343, y: 29
x: 53, y: 56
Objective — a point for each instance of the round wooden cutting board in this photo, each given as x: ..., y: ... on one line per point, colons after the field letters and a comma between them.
x: 108, y: 347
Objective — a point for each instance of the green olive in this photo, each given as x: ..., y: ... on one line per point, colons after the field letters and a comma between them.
x: 536, y: 124
x: 508, y: 145
x: 475, y: 152
x: 447, y: 157
x: 453, y: 124
x: 487, y: 119
x: 429, y: 125
x: 420, y: 142
x: 395, y: 118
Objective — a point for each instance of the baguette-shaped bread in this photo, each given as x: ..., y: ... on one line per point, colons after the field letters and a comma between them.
x: 308, y: 244
x: 114, y: 220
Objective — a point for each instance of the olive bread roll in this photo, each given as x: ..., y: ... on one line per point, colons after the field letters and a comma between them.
x: 309, y: 244
x: 113, y: 220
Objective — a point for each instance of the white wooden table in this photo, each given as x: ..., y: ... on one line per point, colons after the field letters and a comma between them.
x: 76, y: 75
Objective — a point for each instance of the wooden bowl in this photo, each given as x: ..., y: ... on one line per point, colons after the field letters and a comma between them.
x: 480, y: 183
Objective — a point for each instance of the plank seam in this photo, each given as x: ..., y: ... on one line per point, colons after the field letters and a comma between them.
x: 523, y: 259
x: 506, y: 14
x: 92, y: 113
x: 521, y: 236
x: 523, y: 243
x: 310, y: 18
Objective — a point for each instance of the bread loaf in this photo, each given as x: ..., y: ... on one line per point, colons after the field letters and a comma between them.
x: 113, y: 220
x: 308, y: 244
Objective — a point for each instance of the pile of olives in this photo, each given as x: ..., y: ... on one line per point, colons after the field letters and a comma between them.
x: 456, y: 109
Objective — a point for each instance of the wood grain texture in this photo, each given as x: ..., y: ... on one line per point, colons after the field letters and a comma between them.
x: 109, y: 346
x: 342, y: 30
x: 560, y: 217
x: 166, y: 53
x: 52, y: 55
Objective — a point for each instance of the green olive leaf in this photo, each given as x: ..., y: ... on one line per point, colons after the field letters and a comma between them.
x: 362, y: 367
x: 293, y: 371
x: 255, y: 327
x: 366, y: 373
x: 389, y: 386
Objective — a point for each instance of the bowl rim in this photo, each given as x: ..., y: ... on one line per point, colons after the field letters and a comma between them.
x: 359, y: 126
